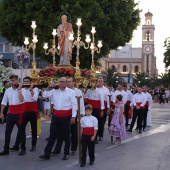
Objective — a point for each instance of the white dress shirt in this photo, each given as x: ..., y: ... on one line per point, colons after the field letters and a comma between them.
x: 149, y: 99
x: 123, y: 93
x: 11, y: 96
x: 27, y: 94
x: 139, y: 97
x: 79, y: 93
x: 105, y: 92
x: 89, y: 121
x: 95, y: 94
x: 64, y: 100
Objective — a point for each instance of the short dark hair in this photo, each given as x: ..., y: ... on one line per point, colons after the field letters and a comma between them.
x: 74, y: 80
x: 119, y: 97
x: 4, y: 82
x: 88, y: 107
x: 27, y: 77
x: 13, y: 76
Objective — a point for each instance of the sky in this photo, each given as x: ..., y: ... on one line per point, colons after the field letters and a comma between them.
x: 161, y: 19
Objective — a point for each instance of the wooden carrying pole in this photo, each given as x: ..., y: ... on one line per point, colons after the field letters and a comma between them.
x: 110, y: 115
x: 79, y: 126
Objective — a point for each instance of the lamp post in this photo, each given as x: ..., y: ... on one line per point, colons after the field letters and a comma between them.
x: 52, y: 50
x: 94, y: 49
x: 33, y: 46
x: 78, y: 43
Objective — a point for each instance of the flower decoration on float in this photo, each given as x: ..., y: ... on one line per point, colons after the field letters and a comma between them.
x: 63, y: 72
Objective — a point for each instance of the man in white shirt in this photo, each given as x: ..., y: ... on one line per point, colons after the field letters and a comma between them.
x: 139, y: 101
x: 95, y: 98
x: 74, y: 134
x: 148, y: 105
x: 65, y: 110
x: 15, y: 98
x: 106, y: 111
x: 30, y: 115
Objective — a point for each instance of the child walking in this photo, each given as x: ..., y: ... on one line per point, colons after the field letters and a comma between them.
x: 117, y: 126
x: 89, y: 124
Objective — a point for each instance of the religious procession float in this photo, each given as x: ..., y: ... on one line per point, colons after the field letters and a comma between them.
x: 63, y: 48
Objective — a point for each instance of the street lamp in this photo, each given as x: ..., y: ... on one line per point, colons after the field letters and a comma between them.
x: 78, y: 43
x: 33, y: 46
x: 94, y: 49
x: 52, y: 50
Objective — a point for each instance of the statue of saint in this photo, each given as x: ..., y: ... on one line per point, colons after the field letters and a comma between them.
x: 65, y: 46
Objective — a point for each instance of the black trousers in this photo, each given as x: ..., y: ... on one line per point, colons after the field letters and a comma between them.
x: 127, y: 114
x: 11, y: 121
x: 87, y: 143
x: 74, y: 136
x: 32, y: 118
x: 137, y: 114
x: 145, y: 112
x: 60, y: 130
x: 101, y: 123
x: 161, y: 99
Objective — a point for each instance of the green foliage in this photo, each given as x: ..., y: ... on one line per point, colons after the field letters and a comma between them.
x: 111, y: 77
x: 114, y: 20
x: 167, y: 53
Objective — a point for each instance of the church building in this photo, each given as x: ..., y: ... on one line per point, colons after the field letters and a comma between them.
x: 129, y: 61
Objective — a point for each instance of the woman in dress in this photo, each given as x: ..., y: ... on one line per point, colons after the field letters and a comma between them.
x: 117, y: 126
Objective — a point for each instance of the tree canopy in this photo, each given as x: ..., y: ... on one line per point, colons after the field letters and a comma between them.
x: 167, y: 52
x: 114, y: 20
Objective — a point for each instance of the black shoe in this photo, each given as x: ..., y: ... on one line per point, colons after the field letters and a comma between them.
x: 23, y: 152
x: 14, y: 148
x: 140, y: 132
x: 129, y: 130
x: 33, y: 149
x: 65, y: 157
x: 55, y: 152
x: 82, y: 164
x: 44, y: 157
x: 73, y: 153
x: 91, y: 163
x: 4, y: 152
x: 100, y: 138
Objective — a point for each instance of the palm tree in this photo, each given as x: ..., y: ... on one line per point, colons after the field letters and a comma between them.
x: 165, y: 79
x: 111, y: 77
x: 142, y: 79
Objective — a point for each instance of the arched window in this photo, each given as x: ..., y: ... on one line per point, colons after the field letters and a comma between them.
x: 148, y: 36
x: 136, y: 69
x: 148, y: 22
x: 124, y: 69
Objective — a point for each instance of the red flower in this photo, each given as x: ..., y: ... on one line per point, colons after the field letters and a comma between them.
x: 71, y: 72
x: 86, y: 73
x: 51, y: 72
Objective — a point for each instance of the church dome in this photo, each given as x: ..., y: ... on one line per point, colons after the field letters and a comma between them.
x: 148, y: 14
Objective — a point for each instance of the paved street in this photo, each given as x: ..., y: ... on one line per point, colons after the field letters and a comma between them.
x: 147, y: 151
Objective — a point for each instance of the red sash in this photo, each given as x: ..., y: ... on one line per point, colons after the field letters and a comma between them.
x: 17, y: 109
x: 128, y: 102
x: 112, y: 105
x: 94, y: 103
x: 31, y: 107
x: 88, y: 131
x: 62, y: 113
x: 138, y: 104
x: 147, y: 103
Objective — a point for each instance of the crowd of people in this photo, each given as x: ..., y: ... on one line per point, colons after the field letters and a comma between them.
x: 121, y: 108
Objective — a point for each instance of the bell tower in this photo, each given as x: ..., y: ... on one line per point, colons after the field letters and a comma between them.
x: 148, y: 46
